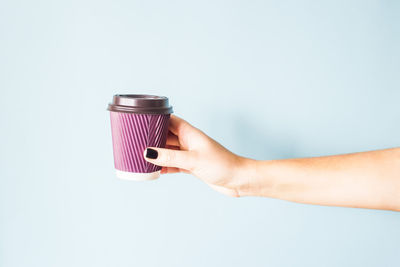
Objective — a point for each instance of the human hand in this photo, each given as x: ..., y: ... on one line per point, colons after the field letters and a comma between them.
x: 190, y: 150
x: 364, y: 180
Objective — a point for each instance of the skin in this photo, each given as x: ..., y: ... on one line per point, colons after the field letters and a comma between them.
x: 360, y: 180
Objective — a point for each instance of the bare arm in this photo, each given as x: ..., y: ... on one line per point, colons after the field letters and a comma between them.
x: 362, y: 180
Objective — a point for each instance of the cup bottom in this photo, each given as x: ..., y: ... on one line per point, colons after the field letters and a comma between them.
x: 136, y: 176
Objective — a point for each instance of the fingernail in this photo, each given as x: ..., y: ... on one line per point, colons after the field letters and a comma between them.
x: 151, y: 153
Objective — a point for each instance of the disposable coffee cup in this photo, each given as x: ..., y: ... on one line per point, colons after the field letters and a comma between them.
x: 138, y: 121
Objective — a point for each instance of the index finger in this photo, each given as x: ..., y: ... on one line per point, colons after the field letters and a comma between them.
x: 177, y: 125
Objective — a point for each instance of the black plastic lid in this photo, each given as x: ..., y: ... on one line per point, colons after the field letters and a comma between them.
x: 142, y: 104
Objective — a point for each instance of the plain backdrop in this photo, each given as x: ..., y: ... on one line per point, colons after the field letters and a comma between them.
x: 266, y: 79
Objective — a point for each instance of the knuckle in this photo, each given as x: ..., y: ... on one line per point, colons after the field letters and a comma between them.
x: 169, y: 158
x: 193, y: 162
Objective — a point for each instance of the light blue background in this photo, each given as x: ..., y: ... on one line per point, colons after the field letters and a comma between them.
x: 267, y: 80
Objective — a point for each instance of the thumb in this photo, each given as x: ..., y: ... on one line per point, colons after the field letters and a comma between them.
x: 169, y: 157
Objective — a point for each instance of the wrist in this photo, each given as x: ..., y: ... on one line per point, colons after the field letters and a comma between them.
x: 251, y: 179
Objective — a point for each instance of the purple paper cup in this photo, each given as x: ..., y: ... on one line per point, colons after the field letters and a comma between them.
x: 137, y: 122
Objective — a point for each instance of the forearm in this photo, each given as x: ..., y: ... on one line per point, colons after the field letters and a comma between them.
x: 365, y: 180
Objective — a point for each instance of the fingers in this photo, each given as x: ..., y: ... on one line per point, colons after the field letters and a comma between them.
x: 165, y: 170
x: 172, y: 139
x: 172, y: 147
x: 177, y: 125
x: 170, y: 157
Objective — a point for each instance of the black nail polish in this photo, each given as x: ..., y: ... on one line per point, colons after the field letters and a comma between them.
x: 151, y: 153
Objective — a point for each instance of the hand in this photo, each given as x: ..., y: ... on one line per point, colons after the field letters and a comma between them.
x: 189, y: 150
x: 364, y: 180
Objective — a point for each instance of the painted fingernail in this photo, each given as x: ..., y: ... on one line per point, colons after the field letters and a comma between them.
x: 151, y: 153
